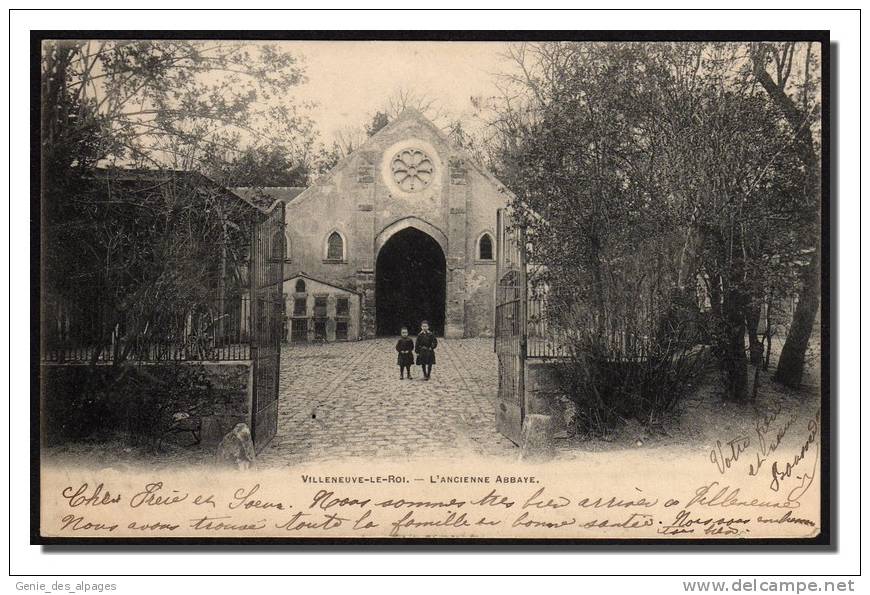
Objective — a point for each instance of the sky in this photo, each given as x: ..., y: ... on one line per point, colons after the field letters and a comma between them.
x: 351, y: 80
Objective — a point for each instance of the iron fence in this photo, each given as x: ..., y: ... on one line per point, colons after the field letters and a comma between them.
x: 216, y: 329
x: 557, y: 320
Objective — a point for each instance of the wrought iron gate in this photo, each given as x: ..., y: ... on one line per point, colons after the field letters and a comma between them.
x: 510, y: 326
x: 267, y: 320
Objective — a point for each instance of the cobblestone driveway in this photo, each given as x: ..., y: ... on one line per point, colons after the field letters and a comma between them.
x: 341, y: 400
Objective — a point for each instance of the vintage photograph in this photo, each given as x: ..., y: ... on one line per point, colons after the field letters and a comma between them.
x: 457, y: 288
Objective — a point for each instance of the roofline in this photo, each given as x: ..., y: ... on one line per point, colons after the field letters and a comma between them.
x: 310, y: 278
x: 407, y: 114
x: 184, y: 172
x: 277, y: 200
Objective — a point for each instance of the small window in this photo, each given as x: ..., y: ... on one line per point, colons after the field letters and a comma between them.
x: 300, y: 306
x: 335, y: 247
x: 342, y: 306
x: 484, y: 247
x: 320, y: 307
x: 300, y: 286
x: 341, y: 330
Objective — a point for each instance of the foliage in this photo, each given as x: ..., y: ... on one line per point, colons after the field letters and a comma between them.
x: 176, y: 103
x: 261, y: 167
x: 141, y: 237
x: 379, y: 120
x: 637, y: 381
x: 137, y: 403
x: 350, y: 138
x: 643, y: 169
x: 140, y: 249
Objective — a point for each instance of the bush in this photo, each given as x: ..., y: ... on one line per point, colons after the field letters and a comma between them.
x: 135, y: 402
x: 642, y: 381
x: 154, y: 394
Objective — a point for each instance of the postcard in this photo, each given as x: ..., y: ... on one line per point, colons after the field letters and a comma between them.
x: 454, y: 287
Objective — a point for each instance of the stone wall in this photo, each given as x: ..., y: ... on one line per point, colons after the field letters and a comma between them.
x: 232, y: 386
x: 544, y: 396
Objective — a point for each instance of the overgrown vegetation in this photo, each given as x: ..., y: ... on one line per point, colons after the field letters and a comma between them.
x: 671, y: 190
x: 135, y: 404
x: 139, y: 141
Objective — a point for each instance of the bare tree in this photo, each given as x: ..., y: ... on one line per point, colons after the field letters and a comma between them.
x: 775, y: 68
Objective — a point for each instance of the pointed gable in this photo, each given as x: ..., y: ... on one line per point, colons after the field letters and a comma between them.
x: 361, y: 164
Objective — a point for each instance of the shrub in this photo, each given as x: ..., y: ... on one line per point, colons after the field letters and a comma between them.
x: 135, y: 401
x: 642, y: 379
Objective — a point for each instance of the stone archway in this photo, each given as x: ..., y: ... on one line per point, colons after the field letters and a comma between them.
x: 410, y: 282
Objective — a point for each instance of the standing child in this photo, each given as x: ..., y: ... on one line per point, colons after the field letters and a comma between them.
x: 425, y: 348
x: 405, y: 347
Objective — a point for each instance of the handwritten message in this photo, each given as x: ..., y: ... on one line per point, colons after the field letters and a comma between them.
x: 745, y: 487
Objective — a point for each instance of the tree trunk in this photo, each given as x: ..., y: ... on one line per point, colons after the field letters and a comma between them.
x: 790, y: 369
x: 728, y: 338
x: 733, y: 348
x: 756, y: 347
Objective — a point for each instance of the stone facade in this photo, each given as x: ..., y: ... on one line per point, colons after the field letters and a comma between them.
x: 406, y: 175
x: 319, y: 311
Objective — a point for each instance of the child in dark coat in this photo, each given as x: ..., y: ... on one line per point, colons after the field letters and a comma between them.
x: 405, y: 360
x: 425, y: 348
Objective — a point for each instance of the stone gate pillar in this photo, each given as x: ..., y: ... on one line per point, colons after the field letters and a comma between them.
x: 365, y: 284
x: 457, y: 191
x: 364, y: 224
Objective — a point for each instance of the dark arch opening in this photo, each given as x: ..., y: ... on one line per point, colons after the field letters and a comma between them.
x: 410, y: 283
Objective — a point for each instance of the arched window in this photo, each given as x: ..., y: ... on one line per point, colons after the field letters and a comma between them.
x: 335, y: 246
x: 300, y: 286
x: 484, y: 247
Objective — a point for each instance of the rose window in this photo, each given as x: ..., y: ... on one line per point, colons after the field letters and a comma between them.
x: 412, y: 170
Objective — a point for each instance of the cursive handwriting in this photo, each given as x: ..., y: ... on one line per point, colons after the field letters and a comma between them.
x: 806, y: 479
x: 326, y: 500
x: 712, y: 495
x: 724, y: 459
x: 705, y: 509
x: 97, y: 497
x: 150, y: 496
x: 684, y: 523
x: 410, y: 521
x: 78, y: 523
x: 524, y: 520
x: 536, y: 501
x: 245, y: 499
